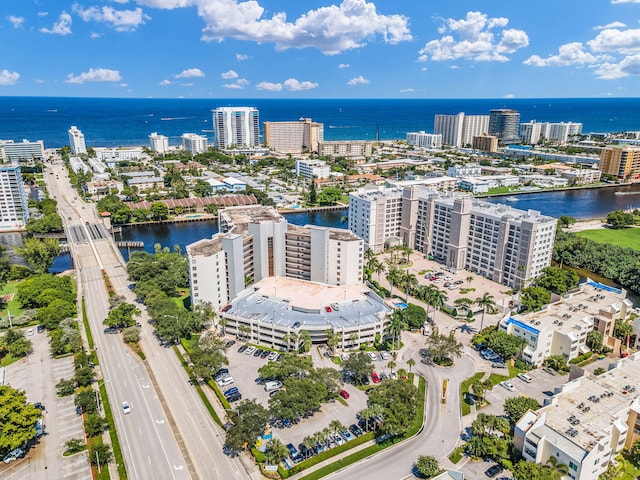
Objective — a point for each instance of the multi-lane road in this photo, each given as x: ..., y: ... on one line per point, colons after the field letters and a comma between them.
x: 169, y: 434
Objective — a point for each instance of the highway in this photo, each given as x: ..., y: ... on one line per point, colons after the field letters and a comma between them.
x: 169, y: 434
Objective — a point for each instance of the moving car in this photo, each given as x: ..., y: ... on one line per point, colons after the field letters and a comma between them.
x: 508, y: 386
x: 126, y: 408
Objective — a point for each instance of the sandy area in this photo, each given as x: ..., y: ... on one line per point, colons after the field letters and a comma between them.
x: 588, y: 225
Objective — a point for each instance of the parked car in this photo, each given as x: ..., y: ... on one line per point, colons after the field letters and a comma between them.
x: 40, y: 328
x: 328, y: 309
x: 508, y: 386
x: 242, y: 348
x: 355, y: 430
x: 235, y: 397
x: 384, y: 355
x: 231, y: 391
x: 375, y: 377
x: 525, y: 378
x: 13, y: 455
x: 265, y: 354
x: 230, y: 343
x: 344, y: 394
x: 493, y: 471
x: 126, y: 408
x: 498, y: 365
x: 223, y: 382
x: 293, y: 452
x: 272, y: 356
x: 337, y: 439
x: 250, y: 350
x: 319, y: 448
x: 372, y: 356
x: 346, y: 435
x: 258, y: 352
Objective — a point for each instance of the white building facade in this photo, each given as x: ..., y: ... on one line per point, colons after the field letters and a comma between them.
x: 76, y: 141
x: 194, y: 143
x: 14, y: 210
x: 158, y: 143
x: 422, y: 139
x: 12, y: 152
x: 238, y: 126
x: 458, y: 130
x: 347, y: 148
x: 312, y: 168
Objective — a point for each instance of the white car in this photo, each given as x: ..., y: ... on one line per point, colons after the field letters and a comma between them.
x: 272, y: 356
x: 508, y: 386
x: 524, y: 377
x: 30, y: 331
x: 223, y: 382
x: 126, y: 408
x: 250, y: 350
x: 373, y: 356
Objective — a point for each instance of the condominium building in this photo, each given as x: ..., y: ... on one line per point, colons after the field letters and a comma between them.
x: 533, y: 132
x: 468, y: 170
x: 76, y: 141
x: 561, y: 328
x: 158, y: 143
x: 312, y: 168
x: 194, y: 143
x: 77, y: 165
x: 14, y: 210
x: 486, y: 143
x: 293, y: 137
x: 497, y: 241
x: 459, y: 130
x: 119, y: 154
x: 345, y: 148
x: 422, y: 139
x: 582, y: 175
x: 503, y: 123
x: 13, y: 152
x: 586, y: 423
x: 622, y: 162
x: 236, y: 126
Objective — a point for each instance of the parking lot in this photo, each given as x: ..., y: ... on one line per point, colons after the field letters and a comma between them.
x: 244, y: 370
x: 37, y: 375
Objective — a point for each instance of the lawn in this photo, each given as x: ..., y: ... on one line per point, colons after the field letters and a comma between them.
x: 14, y: 306
x: 624, y: 237
x: 464, y: 388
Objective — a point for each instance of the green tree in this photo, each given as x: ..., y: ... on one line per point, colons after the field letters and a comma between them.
x: 556, y: 362
x: 506, y: 345
x: 486, y: 302
x: 86, y: 400
x: 622, y: 329
x: 534, y: 298
x: 275, y: 451
x: 202, y: 189
x: 39, y: 254
x: 556, y: 469
x: 313, y: 194
x: 524, y: 470
x: 410, y: 363
x: 478, y: 388
x: 557, y: 280
x: 395, y: 326
x: 100, y: 454
x: 329, y: 196
x: 516, y: 407
x: 65, y: 387
x: 5, y: 267
x: 17, y: 418
x: 121, y: 316
x: 358, y: 366
x: 94, y: 424
x: 427, y: 466
x: 565, y: 221
x: 398, y: 400
x: 159, y: 211
x: 48, y: 223
x: 208, y: 356
x: 443, y: 347
x: 620, y: 219
x: 249, y: 421
x: 594, y: 341
x: 131, y: 334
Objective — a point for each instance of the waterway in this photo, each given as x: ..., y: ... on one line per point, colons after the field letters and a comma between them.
x: 582, y: 204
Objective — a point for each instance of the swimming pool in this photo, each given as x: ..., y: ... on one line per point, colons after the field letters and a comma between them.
x: 401, y: 305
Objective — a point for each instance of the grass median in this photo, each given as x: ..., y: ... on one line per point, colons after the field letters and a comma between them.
x: 115, y: 442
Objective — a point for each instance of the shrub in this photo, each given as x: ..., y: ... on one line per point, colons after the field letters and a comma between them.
x: 581, y: 358
x: 599, y: 371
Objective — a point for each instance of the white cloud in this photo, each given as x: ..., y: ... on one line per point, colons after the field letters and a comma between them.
x: 625, y: 1
x: 190, y: 73
x: 509, y: 95
x: 407, y: 90
x: 233, y: 86
x: 610, y: 25
x: 8, y: 78
x: 241, y: 56
x: 344, y: 65
x: 61, y: 27
x: 628, y: 66
x: 188, y: 84
x: 272, y: 87
x: 473, y: 38
x: 95, y: 35
x: 229, y: 74
x: 121, y: 20
x: 15, y: 21
x: 165, y: 82
x: 95, y: 75
x: 359, y: 80
x: 331, y: 29
x: 624, y: 42
x: 568, y: 54
x: 123, y: 85
x: 295, y: 85
x: 240, y: 83
x: 43, y: 14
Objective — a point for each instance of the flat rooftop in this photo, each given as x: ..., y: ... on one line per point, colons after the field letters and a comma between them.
x: 583, y: 412
x: 286, y: 301
x: 569, y: 314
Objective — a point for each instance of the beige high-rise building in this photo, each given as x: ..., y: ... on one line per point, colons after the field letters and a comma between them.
x: 293, y: 137
x: 622, y: 162
x: 486, y: 143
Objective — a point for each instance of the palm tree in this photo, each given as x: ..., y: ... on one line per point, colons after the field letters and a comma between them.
x: 486, y: 301
x: 319, y: 437
x: 309, y: 443
x: 275, y: 451
x: 305, y: 338
x: 395, y: 326
x: 222, y: 323
x: 333, y: 339
x: 376, y: 266
x: 433, y: 297
x: 335, y: 426
x: 291, y: 337
x: 469, y: 279
x: 369, y: 255
x: 326, y: 431
x: 391, y: 365
x: 394, y: 275
x: 245, y: 330
x: 354, y: 337
x: 410, y: 281
x: 367, y: 414
x: 556, y: 469
x: 478, y: 389
x: 411, y: 362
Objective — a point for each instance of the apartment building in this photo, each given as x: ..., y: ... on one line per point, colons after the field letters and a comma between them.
x: 293, y: 137
x: 504, y: 244
x: 119, y: 154
x: 533, y: 132
x: 76, y: 141
x: 586, y: 423
x: 503, y: 123
x: 458, y: 130
x: 13, y: 152
x: 621, y: 161
x: 236, y: 126
x: 158, y: 143
x: 194, y: 143
x: 561, y: 328
x: 468, y: 170
x: 145, y: 183
x: 485, y: 143
x: 345, y: 148
x: 312, y: 168
x: 257, y: 242
x: 422, y: 139
x: 14, y: 209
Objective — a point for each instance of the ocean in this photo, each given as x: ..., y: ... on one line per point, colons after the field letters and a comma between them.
x: 111, y: 122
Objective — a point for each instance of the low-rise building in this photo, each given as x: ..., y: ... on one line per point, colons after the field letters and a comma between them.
x: 118, y: 154
x: 422, y: 139
x: 345, y: 148
x: 105, y: 187
x: 561, y: 328
x: 13, y: 152
x: 234, y: 184
x: 586, y: 423
x: 473, y: 185
x: 146, y: 183
x: 467, y: 170
x: 312, y: 168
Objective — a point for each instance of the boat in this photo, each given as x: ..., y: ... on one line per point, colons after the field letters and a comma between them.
x: 511, y: 199
x: 626, y: 193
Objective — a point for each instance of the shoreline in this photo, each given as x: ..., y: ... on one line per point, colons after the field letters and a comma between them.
x: 550, y: 190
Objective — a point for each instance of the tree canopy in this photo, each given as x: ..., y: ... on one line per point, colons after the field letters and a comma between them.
x: 506, y: 345
x: 516, y: 407
x: 39, y: 254
x: 358, y: 366
x: 17, y: 418
x: 397, y: 400
x: 249, y: 421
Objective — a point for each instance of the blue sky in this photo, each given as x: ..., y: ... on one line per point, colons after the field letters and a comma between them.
x: 320, y: 48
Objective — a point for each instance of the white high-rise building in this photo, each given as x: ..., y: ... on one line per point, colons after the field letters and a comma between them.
x: 533, y: 132
x: 458, y: 130
x: 422, y: 139
x: 14, y: 210
x: 194, y: 143
x: 76, y: 141
x: 239, y: 126
x: 159, y: 143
